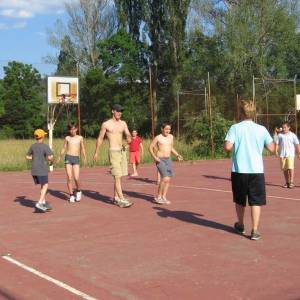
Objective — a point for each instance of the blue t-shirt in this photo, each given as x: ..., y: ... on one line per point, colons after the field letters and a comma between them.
x: 249, y: 140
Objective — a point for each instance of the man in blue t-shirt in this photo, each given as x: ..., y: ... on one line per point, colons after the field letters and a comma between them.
x: 247, y: 140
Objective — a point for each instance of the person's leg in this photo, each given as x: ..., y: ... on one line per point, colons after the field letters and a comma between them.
x: 69, y: 172
x: 240, y: 212
x: 255, y: 214
x: 134, y: 169
x: 158, y: 178
x: 44, y: 188
x: 76, y: 171
x: 118, y: 193
x: 286, y: 176
x: 166, y: 183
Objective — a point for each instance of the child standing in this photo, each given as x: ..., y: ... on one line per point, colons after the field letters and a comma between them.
x: 73, y: 146
x: 39, y: 153
x: 287, y: 142
x: 164, y: 144
x: 134, y: 148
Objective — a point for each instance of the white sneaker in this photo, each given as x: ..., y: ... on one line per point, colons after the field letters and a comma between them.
x: 40, y: 206
x: 78, y: 196
x: 72, y: 199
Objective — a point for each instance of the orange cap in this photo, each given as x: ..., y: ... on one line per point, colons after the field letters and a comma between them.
x: 39, y: 133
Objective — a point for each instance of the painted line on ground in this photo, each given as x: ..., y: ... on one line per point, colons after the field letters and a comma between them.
x: 48, y: 278
x: 227, y: 191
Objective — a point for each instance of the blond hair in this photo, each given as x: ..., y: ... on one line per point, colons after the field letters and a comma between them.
x: 247, y: 109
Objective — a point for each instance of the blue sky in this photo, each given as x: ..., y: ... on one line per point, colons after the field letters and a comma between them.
x: 23, y: 27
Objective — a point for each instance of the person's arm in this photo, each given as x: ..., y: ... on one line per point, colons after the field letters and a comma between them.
x: 151, y: 149
x: 99, y: 141
x: 50, y: 158
x: 270, y: 147
x: 228, y: 146
x: 82, y: 149
x: 179, y: 157
x: 29, y: 154
x: 127, y: 133
x: 142, y: 150
x: 276, y: 149
x: 63, y: 150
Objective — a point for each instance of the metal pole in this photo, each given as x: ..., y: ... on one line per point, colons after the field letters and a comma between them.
x: 295, y: 95
x: 205, y: 100
x: 253, y: 97
x: 151, y: 102
x: 237, y: 108
x: 178, y: 116
x: 210, y: 118
x: 78, y: 105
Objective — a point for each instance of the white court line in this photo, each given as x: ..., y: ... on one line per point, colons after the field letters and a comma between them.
x: 46, y: 277
x: 226, y: 191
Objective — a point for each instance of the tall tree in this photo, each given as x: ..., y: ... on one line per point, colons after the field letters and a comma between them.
x: 23, y: 99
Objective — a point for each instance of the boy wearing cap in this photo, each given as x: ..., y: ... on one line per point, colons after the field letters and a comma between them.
x: 114, y: 129
x: 40, y: 153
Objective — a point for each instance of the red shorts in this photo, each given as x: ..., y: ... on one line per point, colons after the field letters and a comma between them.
x: 135, y: 157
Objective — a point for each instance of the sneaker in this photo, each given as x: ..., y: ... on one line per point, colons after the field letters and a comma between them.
x: 40, y: 206
x: 124, y: 203
x: 255, y: 235
x: 159, y: 200
x: 165, y: 200
x: 286, y: 185
x: 291, y: 185
x: 47, y: 205
x: 239, y: 228
x: 78, y: 196
x: 72, y: 199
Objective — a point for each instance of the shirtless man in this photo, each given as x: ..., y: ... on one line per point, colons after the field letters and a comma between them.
x: 164, y: 144
x: 114, y: 129
x: 73, y: 146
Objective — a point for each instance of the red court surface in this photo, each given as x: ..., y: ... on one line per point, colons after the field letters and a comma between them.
x: 186, y: 250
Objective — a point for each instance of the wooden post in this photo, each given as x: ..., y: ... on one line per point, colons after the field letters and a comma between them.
x: 210, y: 118
x: 178, y: 116
x: 295, y: 95
x: 151, y: 102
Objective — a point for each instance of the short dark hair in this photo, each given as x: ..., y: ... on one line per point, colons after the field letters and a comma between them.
x: 286, y: 123
x: 72, y: 124
x: 134, y: 129
x: 165, y: 123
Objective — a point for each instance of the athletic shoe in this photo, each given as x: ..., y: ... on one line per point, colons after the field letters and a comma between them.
x: 286, y: 185
x: 72, y: 199
x: 124, y: 203
x: 78, y: 196
x: 165, y: 200
x: 47, y: 205
x: 239, y: 228
x: 40, y: 206
x: 159, y: 200
x: 291, y: 185
x: 255, y: 235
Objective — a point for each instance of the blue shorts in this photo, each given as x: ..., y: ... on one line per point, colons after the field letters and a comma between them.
x: 40, y: 179
x: 72, y: 160
x: 165, y: 167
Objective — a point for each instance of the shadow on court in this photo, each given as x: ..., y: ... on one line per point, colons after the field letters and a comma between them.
x: 97, y: 196
x: 146, y: 180
x: 5, y: 295
x: 193, y: 218
x: 59, y: 194
x: 138, y: 195
x: 27, y: 203
x: 216, y: 177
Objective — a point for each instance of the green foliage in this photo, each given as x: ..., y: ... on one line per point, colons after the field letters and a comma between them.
x: 198, y: 132
x: 22, y: 98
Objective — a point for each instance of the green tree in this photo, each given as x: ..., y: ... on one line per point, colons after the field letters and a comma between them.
x: 23, y: 99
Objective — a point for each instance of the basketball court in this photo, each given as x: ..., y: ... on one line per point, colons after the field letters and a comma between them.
x: 186, y: 250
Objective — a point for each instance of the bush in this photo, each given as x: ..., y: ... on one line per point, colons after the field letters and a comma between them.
x: 198, y: 132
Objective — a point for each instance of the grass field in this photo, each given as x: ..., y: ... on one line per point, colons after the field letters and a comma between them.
x: 13, y: 152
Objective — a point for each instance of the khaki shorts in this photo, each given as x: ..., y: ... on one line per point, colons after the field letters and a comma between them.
x: 119, y: 165
x: 287, y: 163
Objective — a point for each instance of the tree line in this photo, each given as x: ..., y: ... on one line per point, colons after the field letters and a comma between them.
x: 124, y: 50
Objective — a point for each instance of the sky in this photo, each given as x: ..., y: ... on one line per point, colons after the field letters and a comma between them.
x: 23, y: 32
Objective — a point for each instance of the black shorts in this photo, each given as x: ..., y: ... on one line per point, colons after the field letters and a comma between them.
x: 248, y: 186
x: 40, y: 179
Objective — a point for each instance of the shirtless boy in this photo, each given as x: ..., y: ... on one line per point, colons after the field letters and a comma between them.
x: 114, y: 129
x: 73, y: 146
x: 164, y: 144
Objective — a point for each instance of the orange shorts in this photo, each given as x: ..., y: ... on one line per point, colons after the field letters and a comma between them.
x: 135, y: 157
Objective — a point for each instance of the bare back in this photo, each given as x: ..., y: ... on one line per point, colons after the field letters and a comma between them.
x: 164, y: 145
